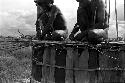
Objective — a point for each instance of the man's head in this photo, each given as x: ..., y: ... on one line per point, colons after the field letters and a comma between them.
x: 78, y: 0
x: 83, y: 0
x: 45, y: 4
x: 44, y: 1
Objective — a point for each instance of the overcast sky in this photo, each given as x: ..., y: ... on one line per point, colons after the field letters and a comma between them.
x: 65, y: 5
x: 21, y: 14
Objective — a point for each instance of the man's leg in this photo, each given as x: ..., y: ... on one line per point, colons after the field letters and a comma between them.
x: 81, y: 37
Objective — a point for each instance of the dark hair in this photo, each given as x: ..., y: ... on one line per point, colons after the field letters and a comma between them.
x: 51, y: 1
x: 44, y: 1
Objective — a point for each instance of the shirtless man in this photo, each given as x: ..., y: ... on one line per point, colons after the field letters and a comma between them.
x: 91, y: 22
x: 90, y: 16
x: 51, y: 26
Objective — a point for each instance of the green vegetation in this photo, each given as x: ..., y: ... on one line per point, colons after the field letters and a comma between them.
x: 15, y: 62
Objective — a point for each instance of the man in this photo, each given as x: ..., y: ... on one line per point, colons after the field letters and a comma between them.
x: 91, y: 22
x: 51, y: 21
x: 50, y: 25
x: 90, y: 16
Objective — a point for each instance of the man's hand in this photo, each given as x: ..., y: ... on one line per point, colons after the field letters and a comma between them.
x: 71, y: 37
x: 48, y: 28
x: 38, y: 35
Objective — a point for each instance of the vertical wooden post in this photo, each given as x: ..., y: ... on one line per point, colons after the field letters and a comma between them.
x: 81, y: 62
x: 82, y: 76
x: 93, y: 64
x: 104, y: 75
x: 46, y: 62
x: 123, y: 63
x: 44, y: 79
x: 124, y: 10
x: 76, y: 62
x: 69, y: 65
x: 75, y: 65
x: 116, y: 18
x: 52, y: 63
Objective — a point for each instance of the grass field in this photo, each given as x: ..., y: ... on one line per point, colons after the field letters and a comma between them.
x: 15, y: 63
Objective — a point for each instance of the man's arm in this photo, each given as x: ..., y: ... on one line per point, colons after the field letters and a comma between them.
x: 49, y: 25
x: 75, y: 29
x: 100, y: 15
x: 54, y: 12
x: 38, y: 30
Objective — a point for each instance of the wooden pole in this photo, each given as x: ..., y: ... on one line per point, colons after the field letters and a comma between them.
x: 109, y: 12
x: 124, y: 10
x: 116, y: 19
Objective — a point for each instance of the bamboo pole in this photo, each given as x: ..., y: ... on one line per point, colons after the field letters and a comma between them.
x: 116, y: 19
x: 69, y: 64
x: 109, y: 12
x: 124, y: 10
